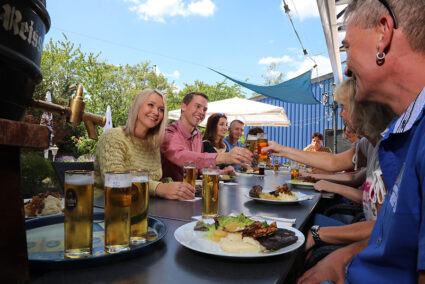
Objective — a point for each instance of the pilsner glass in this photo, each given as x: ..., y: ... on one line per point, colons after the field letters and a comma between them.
x: 276, y: 164
x: 262, y: 143
x: 117, y: 211
x: 251, y: 143
x: 210, y: 182
x: 78, y: 213
x: 139, y: 207
x: 189, y: 173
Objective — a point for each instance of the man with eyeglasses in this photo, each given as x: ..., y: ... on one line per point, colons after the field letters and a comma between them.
x: 385, y: 44
x: 183, y: 141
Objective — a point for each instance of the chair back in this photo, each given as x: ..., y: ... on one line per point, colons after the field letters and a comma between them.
x: 61, y: 167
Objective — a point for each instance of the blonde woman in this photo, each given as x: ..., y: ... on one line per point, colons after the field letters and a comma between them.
x: 136, y: 146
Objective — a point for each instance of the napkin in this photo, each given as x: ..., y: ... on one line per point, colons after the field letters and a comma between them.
x: 192, y: 200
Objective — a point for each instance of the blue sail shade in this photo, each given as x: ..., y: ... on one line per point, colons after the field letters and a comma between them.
x: 296, y: 90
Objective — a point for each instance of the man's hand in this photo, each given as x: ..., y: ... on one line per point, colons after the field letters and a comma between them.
x: 237, y: 155
x: 274, y: 148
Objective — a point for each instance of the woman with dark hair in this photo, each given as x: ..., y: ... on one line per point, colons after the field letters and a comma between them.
x: 213, y: 138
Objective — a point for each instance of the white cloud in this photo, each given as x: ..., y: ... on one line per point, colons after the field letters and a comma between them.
x: 175, y: 74
x: 269, y: 60
x: 323, y: 67
x: 158, y: 10
x: 303, y: 9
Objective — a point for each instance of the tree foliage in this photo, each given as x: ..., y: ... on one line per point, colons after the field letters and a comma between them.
x: 63, y: 64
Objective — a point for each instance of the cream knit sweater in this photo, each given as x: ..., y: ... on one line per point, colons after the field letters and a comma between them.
x: 118, y: 152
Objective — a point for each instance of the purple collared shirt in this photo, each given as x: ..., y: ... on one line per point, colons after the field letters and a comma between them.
x: 179, y: 146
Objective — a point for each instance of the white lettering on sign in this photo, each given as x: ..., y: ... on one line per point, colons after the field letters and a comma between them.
x: 11, y: 19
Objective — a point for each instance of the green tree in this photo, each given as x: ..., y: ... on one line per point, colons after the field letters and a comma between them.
x: 219, y: 91
x: 273, y: 76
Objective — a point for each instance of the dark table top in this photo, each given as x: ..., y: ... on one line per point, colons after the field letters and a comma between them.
x: 169, y: 262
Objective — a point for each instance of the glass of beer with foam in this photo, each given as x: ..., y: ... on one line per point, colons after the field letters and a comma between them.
x: 210, y: 183
x: 117, y: 211
x: 139, y: 207
x: 189, y: 172
x: 262, y: 143
x: 78, y: 213
x: 251, y: 143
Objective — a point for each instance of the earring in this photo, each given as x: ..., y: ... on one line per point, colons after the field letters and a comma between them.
x: 380, y: 59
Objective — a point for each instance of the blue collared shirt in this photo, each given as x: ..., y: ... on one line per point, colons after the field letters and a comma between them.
x: 396, y: 249
x: 230, y: 147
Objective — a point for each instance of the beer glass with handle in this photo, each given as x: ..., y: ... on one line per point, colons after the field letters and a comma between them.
x: 189, y: 172
x: 117, y: 211
x: 78, y: 213
x: 139, y: 207
x: 210, y: 186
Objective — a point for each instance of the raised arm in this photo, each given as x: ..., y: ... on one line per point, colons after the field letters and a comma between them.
x: 321, y: 160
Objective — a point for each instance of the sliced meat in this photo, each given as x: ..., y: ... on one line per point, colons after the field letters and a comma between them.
x: 282, y: 238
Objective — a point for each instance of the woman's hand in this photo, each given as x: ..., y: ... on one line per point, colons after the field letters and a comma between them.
x: 324, y: 185
x: 229, y: 170
x: 274, y: 149
x: 175, y: 190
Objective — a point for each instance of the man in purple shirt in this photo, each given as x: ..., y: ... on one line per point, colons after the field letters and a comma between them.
x: 183, y: 141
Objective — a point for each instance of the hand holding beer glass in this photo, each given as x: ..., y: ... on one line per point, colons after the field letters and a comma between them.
x: 117, y: 211
x: 210, y: 186
x: 189, y: 172
x: 78, y: 213
x: 139, y: 207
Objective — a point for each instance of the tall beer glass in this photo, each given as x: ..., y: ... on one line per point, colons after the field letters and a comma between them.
x: 251, y: 143
x: 262, y: 143
x: 139, y: 207
x: 210, y: 182
x: 189, y: 173
x: 117, y: 211
x: 78, y: 213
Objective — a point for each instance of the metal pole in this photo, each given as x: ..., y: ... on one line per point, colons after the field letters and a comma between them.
x: 335, y: 109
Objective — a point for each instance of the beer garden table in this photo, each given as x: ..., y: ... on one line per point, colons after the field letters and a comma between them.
x: 169, y: 262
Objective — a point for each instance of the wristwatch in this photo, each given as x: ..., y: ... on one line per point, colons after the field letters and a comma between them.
x: 315, y: 233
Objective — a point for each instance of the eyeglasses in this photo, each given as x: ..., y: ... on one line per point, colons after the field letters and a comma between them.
x: 390, y: 11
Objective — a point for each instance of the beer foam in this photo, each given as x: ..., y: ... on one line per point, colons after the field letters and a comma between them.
x: 79, y: 179
x: 118, y: 180
x: 140, y: 179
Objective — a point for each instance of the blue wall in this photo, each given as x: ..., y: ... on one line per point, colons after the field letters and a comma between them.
x: 305, y: 119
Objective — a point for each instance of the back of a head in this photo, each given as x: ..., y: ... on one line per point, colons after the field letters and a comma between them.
x: 255, y: 131
x: 409, y: 15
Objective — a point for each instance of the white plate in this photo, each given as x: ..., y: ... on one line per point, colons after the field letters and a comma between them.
x: 301, y: 197
x: 32, y: 217
x: 197, y: 241
x: 303, y: 184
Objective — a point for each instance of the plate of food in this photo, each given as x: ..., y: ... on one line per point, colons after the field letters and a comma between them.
x: 227, y: 178
x: 239, y: 237
x: 43, y: 204
x: 306, y: 182
x: 281, y: 195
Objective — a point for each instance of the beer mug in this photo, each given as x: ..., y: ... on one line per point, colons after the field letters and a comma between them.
x: 139, y: 207
x: 210, y: 183
x: 117, y: 211
x: 189, y: 173
x: 276, y: 164
x: 262, y: 143
x: 78, y: 213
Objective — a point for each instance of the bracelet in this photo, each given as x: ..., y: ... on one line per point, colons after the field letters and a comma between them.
x: 315, y: 233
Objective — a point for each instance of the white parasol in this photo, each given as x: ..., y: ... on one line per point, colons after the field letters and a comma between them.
x: 108, y: 123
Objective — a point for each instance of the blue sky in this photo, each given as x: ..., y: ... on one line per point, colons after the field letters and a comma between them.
x: 183, y: 37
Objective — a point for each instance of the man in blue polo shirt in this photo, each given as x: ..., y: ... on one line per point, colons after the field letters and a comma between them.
x: 385, y: 42
x: 235, y: 133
